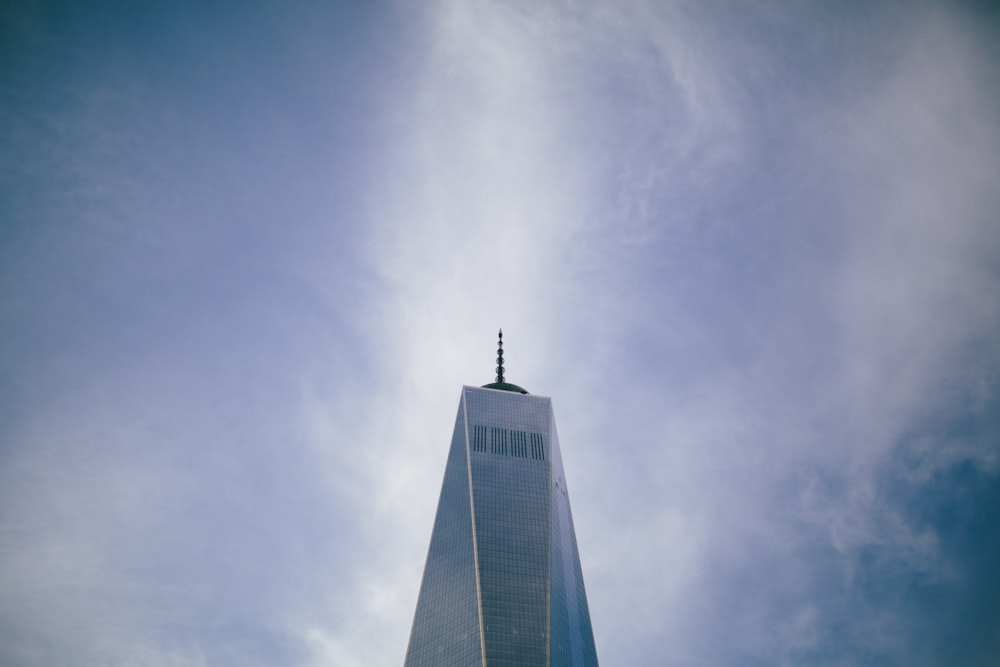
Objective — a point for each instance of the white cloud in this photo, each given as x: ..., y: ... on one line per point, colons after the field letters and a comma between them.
x: 749, y: 255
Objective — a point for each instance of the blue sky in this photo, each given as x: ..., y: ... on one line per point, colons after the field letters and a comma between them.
x: 249, y: 255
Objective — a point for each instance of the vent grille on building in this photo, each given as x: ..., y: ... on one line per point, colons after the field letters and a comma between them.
x: 478, y: 438
x: 537, y: 447
x: 508, y: 442
x: 499, y: 441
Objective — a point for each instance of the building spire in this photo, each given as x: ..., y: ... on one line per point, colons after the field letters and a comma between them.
x: 500, y: 358
x: 501, y: 382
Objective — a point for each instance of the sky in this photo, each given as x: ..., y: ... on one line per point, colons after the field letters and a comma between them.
x: 250, y: 252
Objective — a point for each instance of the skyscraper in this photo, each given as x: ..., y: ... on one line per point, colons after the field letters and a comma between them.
x: 502, y: 585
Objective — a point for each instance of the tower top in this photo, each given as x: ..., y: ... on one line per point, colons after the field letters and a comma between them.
x: 500, y: 382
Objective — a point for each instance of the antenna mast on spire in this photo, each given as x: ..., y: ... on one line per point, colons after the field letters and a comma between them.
x: 501, y: 382
x: 500, y: 358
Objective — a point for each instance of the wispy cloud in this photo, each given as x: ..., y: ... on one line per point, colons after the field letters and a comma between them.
x: 749, y: 251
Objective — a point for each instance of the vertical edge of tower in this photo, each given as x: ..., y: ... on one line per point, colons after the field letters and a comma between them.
x: 463, y: 407
x: 446, y: 627
x: 571, y: 638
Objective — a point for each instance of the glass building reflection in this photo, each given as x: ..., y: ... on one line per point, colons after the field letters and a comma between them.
x: 502, y: 585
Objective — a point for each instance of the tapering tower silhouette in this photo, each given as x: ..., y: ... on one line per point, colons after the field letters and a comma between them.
x: 502, y: 585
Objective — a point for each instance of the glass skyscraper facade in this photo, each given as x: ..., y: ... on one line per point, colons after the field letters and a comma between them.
x: 502, y: 585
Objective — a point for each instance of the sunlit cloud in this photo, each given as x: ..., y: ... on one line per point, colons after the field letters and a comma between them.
x: 749, y: 251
